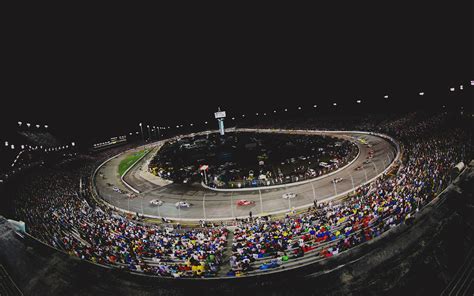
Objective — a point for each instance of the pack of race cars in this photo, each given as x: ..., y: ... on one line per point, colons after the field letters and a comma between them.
x: 240, y: 202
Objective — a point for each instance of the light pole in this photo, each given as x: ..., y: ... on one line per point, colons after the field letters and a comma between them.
x: 204, y: 206
x: 352, y: 180
x: 314, y: 191
x: 141, y: 129
x: 149, y: 132
x: 232, y: 205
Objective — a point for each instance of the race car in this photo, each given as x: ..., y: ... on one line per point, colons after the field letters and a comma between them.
x: 359, y: 168
x: 336, y: 180
x: 289, y: 195
x: 244, y: 202
x: 182, y: 204
x: 156, y: 202
x: 116, y: 189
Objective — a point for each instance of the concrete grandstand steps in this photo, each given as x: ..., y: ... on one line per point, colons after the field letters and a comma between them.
x: 290, y: 264
x: 7, y: 285
x: 225, y: 264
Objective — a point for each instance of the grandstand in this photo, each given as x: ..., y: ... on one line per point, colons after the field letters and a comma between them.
x: 74, y: 222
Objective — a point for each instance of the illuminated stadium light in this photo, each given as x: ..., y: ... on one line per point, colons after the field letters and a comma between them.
x: 137, y: 133
x: 73, y: 144
x: 28, y: 125
x: 385, y: 97
x: 12, y: 146
x: 314, y: 106
x: 472, y: 82
x: 177, y: 126
x: 205, y: 122
x: 359, y: 101
x: 264, y: 114
x: 299, y: 108
x: 452, y: 89
x: 233, y: 118
x: 191, y: 124
x: 19, y: 123
x: 22, y: 146
x: 6, y: 143
x: 37, y: 126
x: 274, y: 111
x: 286, y: 110
x: 461, y: 87
x: 334, y: 104
x: 421, y: 93
x: 256, y: 114
x: 140, y: 124
x: 45, y: 126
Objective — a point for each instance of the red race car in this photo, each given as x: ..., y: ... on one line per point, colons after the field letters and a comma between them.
x: 244, y: 202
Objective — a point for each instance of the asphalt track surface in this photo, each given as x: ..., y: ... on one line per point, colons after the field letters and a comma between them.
x: 211, y: 205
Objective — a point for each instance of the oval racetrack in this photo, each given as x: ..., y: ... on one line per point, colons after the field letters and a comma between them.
x: 212, y: 205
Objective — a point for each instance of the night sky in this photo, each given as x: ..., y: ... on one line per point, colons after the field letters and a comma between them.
x: 96, y: 79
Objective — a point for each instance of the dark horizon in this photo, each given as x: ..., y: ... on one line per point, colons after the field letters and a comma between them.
x: 101, y: 81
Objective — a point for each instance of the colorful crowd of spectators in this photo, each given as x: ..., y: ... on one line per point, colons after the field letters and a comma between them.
x: 55, y: 213
x: 54, y: 210
x: 431, y: 150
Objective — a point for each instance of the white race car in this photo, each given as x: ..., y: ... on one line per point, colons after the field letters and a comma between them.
x: 182, y: 204
x: 156, y: 202
x: 289, y: 195
x: 336, y: 180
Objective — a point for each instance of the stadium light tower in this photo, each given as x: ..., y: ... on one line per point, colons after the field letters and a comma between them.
x: 141, y: 129
x: 220, y: 115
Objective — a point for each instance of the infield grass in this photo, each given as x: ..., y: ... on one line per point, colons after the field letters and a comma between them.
x: 130, y: 160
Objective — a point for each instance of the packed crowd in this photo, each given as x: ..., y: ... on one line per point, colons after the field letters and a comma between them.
x: 54, y: 212
x: 430, y: 152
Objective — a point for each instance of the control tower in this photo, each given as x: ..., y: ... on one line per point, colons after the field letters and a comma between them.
x: 220, y: 115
